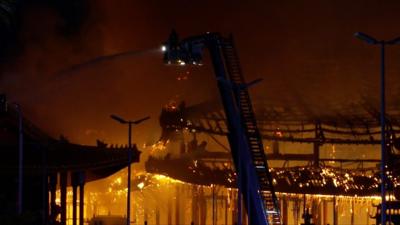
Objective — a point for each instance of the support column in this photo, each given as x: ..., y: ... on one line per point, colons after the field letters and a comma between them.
x: 296, y: 210
x: 234, y: 208
x: 284, y: 211
x: 316, y: 214
x: 169, y: 210
x: 352, y: 213
x: 75, y: 183
x: 45, y: 188
x: 213, y: 204
x: 325, y: 212
x: 53, y: 188
x: 177, y: 205
x: 203, y: 206
x: 63, y: 197
x: 45, y: 199
x: 81, y: 197
x: 216, y: 196
x: 195, y: 205
x: 226, y: 210
x: 145, y: 215
x: 145, y: 210
x: 335, y: 212
x: 157, y: 215
x: 184, y: 197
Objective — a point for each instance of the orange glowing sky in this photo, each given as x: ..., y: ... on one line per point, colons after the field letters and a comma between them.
x: 302, y: 50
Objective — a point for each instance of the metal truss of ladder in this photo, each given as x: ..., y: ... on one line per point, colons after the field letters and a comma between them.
x: 252, y: 133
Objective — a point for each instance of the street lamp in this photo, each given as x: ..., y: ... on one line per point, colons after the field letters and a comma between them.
x: 129, y: 122
x: 20, y: 159
x: 382, y: 43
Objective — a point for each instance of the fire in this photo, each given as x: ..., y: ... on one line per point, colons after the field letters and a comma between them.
x: 164, y: 179
x: 159, y: 146
x: 158, y: 194
x: 140, y: 185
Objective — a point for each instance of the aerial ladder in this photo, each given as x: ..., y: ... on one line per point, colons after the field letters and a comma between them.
x: 255, y: 183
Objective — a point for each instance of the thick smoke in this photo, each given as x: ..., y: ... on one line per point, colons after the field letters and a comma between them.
x: 305, y: 52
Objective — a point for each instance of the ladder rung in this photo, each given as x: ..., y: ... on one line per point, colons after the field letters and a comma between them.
x: 251, y: 131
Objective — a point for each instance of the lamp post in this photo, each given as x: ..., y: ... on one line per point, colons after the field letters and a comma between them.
x: 129, y: 122
x: 20, y: 159
x: 382, y: 43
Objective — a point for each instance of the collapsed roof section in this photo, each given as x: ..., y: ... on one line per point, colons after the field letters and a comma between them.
x: 351, y: 124
x: 303, y: 180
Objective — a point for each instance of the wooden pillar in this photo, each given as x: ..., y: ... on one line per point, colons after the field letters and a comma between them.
x: 234, y: 207
x: 317, y: 208
x: 203, y: 206
x: 145, y: 214
x: 325, y: 212
x: 81, y: 197
x: 157, y: 215
x: 45, y: 199
x: 53, y: 205
x: 169, y: 211
x: 284, y: 210
x: 315, y: 212
x: 75, y: 183
x: 216, y: 196
x: 145, y: 211
x: 45, y: 189
x: 63, y: 197
x: 183, y: 194
x: 352, y: 213
x: 213, y: 205
x: 195, y: 205
x: 74, y: 206
x: 226, y: 210
x: 177, y: 205
x: 296, y: 210
x: 335, y: 212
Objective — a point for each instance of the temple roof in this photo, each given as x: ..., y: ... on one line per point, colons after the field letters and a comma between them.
x: 43, y: 153
x: 302, y: 180
x: 355, y: 123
